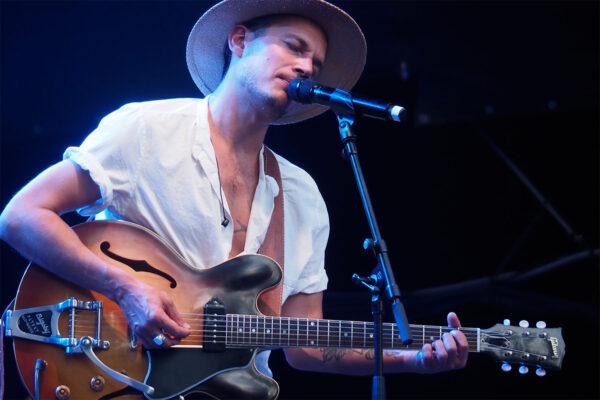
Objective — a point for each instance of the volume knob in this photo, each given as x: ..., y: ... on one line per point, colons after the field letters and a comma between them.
x: 62, y: 392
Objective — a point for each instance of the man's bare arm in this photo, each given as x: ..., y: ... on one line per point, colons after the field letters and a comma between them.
x: 31, y: 224
x: 449, y: 353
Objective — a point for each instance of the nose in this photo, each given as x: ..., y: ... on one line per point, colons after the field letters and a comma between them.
x: 304, y: 67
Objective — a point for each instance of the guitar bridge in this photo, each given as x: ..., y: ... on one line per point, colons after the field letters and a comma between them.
x: 41, y: 324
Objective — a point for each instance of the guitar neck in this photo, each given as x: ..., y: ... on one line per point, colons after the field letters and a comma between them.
x: 253, y: 330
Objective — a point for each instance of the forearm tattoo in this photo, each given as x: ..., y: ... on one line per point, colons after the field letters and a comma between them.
x: 331, y: 354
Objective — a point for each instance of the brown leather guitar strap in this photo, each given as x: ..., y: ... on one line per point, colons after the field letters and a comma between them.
x: 269, y: 302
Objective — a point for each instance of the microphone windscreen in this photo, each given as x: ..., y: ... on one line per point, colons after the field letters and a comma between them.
x: 299, y: 90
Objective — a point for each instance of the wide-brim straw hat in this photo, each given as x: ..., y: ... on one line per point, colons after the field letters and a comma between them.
x: 344, y: 61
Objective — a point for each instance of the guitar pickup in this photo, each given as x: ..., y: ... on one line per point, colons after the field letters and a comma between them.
x: 41, y: 324
x: 214, y: 327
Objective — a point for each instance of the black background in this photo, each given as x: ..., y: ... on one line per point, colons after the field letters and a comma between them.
x: 524, y: 75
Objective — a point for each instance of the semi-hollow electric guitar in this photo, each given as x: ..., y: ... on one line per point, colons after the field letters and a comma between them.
x: 70, y: 342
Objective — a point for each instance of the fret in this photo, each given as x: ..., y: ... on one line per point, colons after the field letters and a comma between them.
x: 440, y: 331
x: 311, y: 338
x: 370, y: 336
x: 235, y: 327
x: 239, y: 330
x: 248, y: 329
x: 298, y: 332
x: 364, y: 335
x: 305, y: 335
x: 307, y: 332
x: 272, y: 333
x: 392, y: 336
x: 322, y: 333
x: 277, y: 330
x: 260, y: 332
x: 288, y: 332
x: 226, y: 328
x: 253, y: 324
x: 351, y: 334
x: 293, y: 332
x: 256, y: 330
x: 345, y: 334
x: 263, y: 331
x: 243, y: 330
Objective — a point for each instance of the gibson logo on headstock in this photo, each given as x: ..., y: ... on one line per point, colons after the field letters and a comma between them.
x: 554, y: 344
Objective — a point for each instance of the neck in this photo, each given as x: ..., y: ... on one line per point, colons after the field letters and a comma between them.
x: 233, y: 120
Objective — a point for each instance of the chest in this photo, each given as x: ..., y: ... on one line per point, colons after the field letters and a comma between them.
x: 239, y: 187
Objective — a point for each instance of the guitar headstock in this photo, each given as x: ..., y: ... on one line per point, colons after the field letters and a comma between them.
x: 540, y: 346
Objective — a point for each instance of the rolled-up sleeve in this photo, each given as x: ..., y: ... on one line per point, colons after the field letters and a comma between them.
x: 112, y: 154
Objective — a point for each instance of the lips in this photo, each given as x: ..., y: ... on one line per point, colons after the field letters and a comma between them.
x: 286, y: 80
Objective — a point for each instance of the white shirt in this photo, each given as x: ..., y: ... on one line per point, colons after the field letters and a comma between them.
x: 155, y: 165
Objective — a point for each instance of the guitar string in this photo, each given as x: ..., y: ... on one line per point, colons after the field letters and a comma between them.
x: 300, y: 323
x: 248, y: 317
x: 274, y: 340
x: 298, y: 340
x: 298, y: 336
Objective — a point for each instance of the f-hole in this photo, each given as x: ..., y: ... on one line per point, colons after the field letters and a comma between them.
x: 137, y: 265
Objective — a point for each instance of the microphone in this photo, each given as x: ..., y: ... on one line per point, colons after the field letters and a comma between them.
x: 308, y: 92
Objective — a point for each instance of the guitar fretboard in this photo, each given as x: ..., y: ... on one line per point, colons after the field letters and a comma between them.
x: 261, y: 331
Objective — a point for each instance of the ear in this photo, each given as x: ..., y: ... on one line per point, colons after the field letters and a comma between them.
x: 236, y: 39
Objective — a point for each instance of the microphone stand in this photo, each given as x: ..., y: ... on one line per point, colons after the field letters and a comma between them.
x: 382, y: 278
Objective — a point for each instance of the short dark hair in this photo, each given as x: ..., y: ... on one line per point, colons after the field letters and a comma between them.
x: 254, y: 25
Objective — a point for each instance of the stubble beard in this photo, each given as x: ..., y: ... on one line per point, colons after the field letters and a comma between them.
x: 264, y: 102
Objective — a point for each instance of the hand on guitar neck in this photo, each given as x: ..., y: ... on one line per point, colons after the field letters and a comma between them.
x: 449, y: 352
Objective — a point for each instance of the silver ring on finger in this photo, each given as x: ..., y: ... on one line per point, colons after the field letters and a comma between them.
x: 159, y: 339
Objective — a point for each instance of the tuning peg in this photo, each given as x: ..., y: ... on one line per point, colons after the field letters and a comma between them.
x: 540, y: 372
x: 507, y: 322
x: 523, y: 369
x: 540, y: 324
x: 524, y: 324
x: 506, y: 367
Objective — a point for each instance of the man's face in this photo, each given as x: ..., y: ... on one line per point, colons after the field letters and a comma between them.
x: 273, y: 56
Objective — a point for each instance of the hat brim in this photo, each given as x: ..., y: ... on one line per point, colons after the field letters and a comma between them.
x: 344, y: 62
